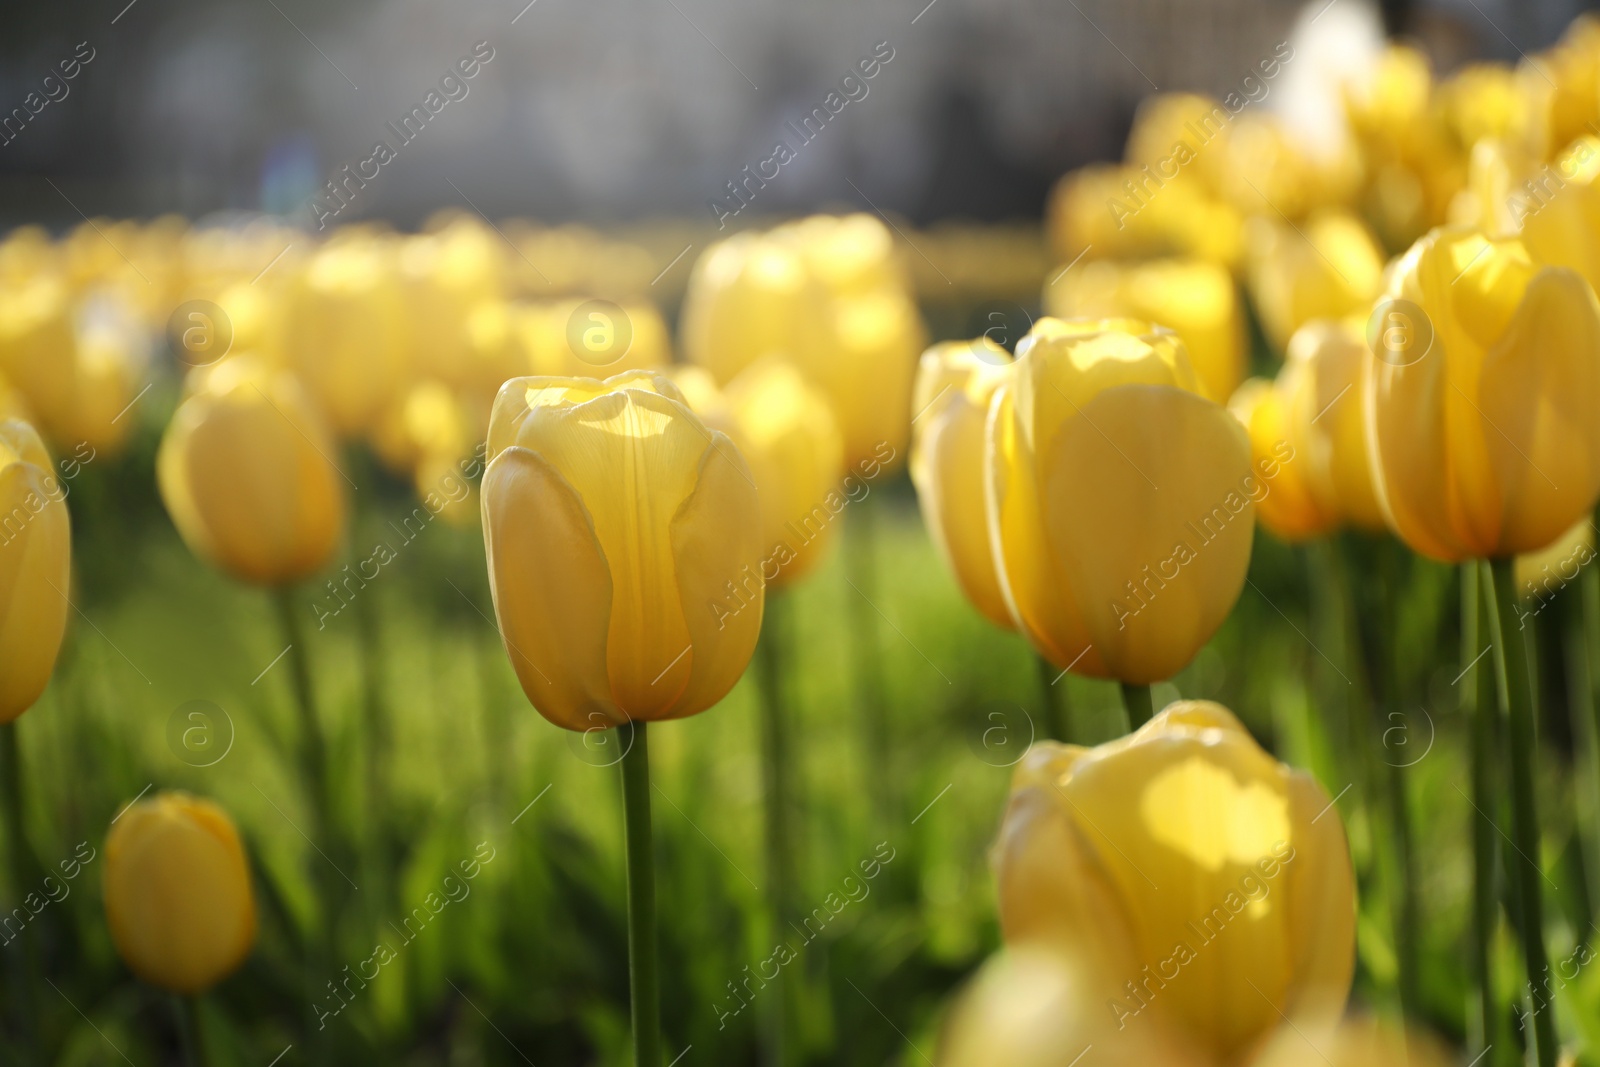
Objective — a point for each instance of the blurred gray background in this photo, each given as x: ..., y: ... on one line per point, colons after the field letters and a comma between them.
x: 602, y: 110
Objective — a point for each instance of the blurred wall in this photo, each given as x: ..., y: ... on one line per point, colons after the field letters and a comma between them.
x: 605, y: 109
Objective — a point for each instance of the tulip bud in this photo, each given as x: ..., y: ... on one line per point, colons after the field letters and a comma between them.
x: 1205, y: 889
x: 35, y: 567
x: 245, y: 470
x: 177, y: 892
x: 1307, y: 427
x: 1191, y: 296
x: 786, y: 430
x: 1328, y: 268
x: 1120, y: 500
x: 1033, y: 1006
x: 343, y: 330
x: 955, y: 384
x: 623, y: 542
x: 1481, y: 427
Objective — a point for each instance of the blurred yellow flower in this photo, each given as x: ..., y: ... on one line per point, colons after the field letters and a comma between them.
x: 1563, y: 84
x: 1481, y: 426
x: 748, y: 296
x: 1363, y: 1041
x: 177, y: 892
x: 38, y: 350
x: 1110, y: 211
x: 1032, y: 1006
x: 623, y: 541
x: 583, y: 337
x: 786, y: 430
x: 35, y: 567
x: 1120, y: 500
x: 1204, y: 888
x: 1540, y: 574
x: 1327, y: 267
x: 955, y: 383
x: 246, y: 473
x: 1308, y: 427
x: 343, y: 330
x: 1194, y: 297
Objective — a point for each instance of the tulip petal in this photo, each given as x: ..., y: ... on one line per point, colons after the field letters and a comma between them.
x: 1539, y: 394
x: 633, y: 456
x: 35, y: 580
x: 1321, y: 883
x: 1149, y: 513
x: 715, y: 541
x: 551, y: 588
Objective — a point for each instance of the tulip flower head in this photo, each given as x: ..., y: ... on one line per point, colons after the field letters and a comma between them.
x: 624, y: 542
x: 177, y: 892
x: 955, y: 383
x: 35, y: 567
x: 244, y: 470
x: 1309, y: 425
x: 1120, y: 501
x: 1481, y: 431
x: 1204, y: 889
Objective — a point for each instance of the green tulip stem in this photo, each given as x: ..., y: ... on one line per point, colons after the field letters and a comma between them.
x: 866, y: 656
x: 191, y: 1038
x: 314, y: 767
x: 1516, y: 703
x: 1140, y: 707
x: 775, y: 769
x: 644, y: 974
x: 24, y: 964
x: 1476, y: 697
x: 1057, y: 706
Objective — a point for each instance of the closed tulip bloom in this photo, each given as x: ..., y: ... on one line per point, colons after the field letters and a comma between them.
x: 37, y: 350
x: 1205, y: 888
x: 343, y: 330
x: 1485, y: 444
x: 850, y: 255
x: 576, y: 338
x: 1307, y: 426
x: 955, y: 384
x: 35, y: 567
x: 1120, y: 500
x: 1034, y: 1006
x: 1194, y: 297
x: 1557, y: 210
x: 749, y: 295
x: 244, y: 470
x: 110, y: 363
x: 177, y: 892
x: 623, y: 542
x: 866, y: 373
x: 785, y: 428
x: 1363, y: 1041
x: 1329, y: 267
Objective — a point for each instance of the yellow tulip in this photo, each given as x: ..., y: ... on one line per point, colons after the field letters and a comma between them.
x: 35, y: 567
x: 1308, y: 427
x: 1563, y: 84
x: 579, y: 338
x: 246, y: 471
x: 1120, y: 500
x: 955, y: 384
x: 109, y: 364
x: 1032, y: 1006
x: 1205, y: 887
x: 1481, y: 427
x: 1556, y: 209
x: 1194, y: 297
x: 865, y: 372
x: 1325, y: 268
x: 850, y: 255
x: 1485, y: 100
x: 623, y: 542
x: 1541, y: 574
x: 443, y: 276
x: 343, y: 330
x: 37, y: 350
x: 1363, y: 1041
x: 786, y: 431
x: 1127, y: 212
x: 177, y: 892
x: 748, y: 296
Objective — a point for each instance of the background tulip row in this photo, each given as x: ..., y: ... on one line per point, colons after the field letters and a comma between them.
x: 297, y: 534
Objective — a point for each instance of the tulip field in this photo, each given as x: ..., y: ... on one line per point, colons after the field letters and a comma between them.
x: 1163, y: 633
